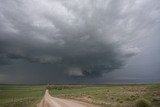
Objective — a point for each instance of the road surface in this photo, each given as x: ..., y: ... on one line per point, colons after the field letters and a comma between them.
x: 49, y: 101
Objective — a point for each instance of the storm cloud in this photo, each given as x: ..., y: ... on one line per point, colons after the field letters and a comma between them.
x: 85, y: 38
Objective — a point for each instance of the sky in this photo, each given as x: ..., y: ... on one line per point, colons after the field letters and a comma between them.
x: 79, y: 41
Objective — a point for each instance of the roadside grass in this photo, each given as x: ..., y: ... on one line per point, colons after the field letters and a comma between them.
x: 20, y: 95
x: 111, y: 95
x: 104, y: 95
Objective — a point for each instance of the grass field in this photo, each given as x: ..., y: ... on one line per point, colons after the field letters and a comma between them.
x: 20, y: 95
x: 112, y: 95
x: 104, y: 95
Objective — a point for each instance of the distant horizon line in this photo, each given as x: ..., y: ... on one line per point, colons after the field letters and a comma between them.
x: 81, y: 83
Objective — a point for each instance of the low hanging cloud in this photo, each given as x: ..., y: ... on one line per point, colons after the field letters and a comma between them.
x: 85, y: 37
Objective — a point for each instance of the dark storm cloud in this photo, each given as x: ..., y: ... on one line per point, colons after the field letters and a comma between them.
x: 85, y: 38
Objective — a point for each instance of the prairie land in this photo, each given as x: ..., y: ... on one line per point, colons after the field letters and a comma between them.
x: 103, y: 95
x: 112, y: 95
x: 20, y: 95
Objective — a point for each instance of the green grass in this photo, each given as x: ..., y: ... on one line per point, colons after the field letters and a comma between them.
x: 20, y: 95
x: 142, y: 103
x: 112, y: 95
x: 104, y: 95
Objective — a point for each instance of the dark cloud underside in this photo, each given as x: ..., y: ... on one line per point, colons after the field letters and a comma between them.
x: 71, y: 38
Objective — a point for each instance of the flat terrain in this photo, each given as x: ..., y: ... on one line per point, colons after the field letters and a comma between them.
x: 102, y: 95
x: 20, y: 95
x: 110, y: 95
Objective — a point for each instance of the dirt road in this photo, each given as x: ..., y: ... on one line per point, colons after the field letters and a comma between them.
x: 49, y: 101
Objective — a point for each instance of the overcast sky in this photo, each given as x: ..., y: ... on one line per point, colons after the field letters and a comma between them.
x: 79, y: 41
